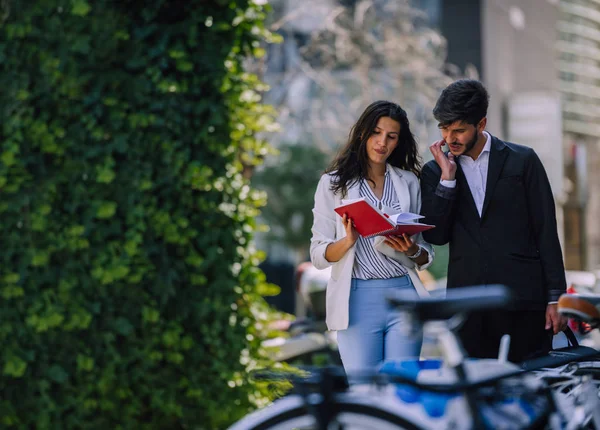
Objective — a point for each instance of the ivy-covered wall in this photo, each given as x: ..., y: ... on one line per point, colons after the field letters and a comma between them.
x: 128, y: 281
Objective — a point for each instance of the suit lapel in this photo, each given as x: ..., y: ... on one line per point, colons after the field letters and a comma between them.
x: 498, y: 156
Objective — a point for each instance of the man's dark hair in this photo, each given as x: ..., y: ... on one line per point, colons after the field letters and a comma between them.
x: 465, y: 100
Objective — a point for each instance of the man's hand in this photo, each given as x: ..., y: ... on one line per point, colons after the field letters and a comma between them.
x: 446, y: 163
x: 554, y: 320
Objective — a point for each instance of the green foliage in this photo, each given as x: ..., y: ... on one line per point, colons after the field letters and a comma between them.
x: 128, y: 278
x: 290, y: 182
x: 439, y: 267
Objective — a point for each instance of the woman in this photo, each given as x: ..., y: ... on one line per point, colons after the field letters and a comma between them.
x: 380, y: 163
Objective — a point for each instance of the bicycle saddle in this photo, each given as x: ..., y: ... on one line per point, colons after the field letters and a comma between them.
x: 584, y: 307
x: 457, y: 300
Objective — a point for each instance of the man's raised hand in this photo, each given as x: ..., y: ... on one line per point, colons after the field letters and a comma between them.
x: 446, y: 163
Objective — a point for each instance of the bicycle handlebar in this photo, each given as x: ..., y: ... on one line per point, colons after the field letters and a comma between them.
x: 457, y: 300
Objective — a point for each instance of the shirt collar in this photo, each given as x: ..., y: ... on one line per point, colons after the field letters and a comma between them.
x: 386, y: 175
x: 486, y: 149
x: 488, y: 143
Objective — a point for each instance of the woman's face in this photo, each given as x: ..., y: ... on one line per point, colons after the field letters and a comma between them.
x: 383, y: 140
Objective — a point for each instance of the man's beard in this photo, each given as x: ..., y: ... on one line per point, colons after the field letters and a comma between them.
x: 470, y: 144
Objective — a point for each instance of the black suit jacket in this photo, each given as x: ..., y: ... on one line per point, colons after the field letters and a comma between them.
x: 514, y: 242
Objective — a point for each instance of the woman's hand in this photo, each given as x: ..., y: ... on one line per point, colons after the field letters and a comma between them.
x: 336, y: 250
x: 402, y: 243
x: 351, y: 233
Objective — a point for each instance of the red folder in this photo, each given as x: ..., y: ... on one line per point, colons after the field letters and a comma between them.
x: 370, y: 221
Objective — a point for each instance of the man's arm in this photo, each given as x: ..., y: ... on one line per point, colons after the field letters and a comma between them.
x: 437, y: 205
x: 542, y: 212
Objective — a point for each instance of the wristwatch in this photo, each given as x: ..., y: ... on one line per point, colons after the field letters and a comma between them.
x: 416, y: 254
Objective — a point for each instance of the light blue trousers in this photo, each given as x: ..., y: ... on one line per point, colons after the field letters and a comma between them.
x: 376, y: 332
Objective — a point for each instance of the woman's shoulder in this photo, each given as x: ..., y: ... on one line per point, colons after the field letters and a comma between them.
x: 326, y: 180
x: 327, y: 177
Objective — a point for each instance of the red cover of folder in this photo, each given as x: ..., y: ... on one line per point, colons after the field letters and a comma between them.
x: 370, y: 221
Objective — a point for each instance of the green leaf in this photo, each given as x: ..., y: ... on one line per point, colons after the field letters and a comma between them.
x: 8, y: 158
x: 40, y: 258
x: 106, y: 210
x: 57, y: 374
x: 123, y: 326
x: 185, y: 66
x: 266, y: 289
x: 150, y: 315
x: 84, y: 362
x: 12, y: 291
x: 15, y: 367
x: 105, y: 175
x: 12, y: 278
x: 80, y: 7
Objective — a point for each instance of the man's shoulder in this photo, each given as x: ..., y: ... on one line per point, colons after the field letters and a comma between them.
x: 431, y: 167
x: 516, y: 148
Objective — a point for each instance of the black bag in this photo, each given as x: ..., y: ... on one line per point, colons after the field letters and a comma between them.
x: 561, y: 356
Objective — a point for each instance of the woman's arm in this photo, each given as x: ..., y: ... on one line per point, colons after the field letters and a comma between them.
x: 336, y: 250
x: 325, y: 246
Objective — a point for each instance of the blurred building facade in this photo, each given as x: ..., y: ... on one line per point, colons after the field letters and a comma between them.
x: 540, y: 60
x: 579, y: 71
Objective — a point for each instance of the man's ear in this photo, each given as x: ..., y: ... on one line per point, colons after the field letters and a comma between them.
x: 481, y: 125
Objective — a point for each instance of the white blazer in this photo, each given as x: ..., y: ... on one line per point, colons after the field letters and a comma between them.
x: 328, y: 228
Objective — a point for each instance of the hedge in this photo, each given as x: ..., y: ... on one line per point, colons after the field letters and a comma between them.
x: 128, y: 279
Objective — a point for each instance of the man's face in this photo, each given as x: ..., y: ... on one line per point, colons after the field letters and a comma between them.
x: 460, y: 137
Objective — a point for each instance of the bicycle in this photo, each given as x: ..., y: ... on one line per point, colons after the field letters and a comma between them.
x: 577, y: 383
x: 461, y: 393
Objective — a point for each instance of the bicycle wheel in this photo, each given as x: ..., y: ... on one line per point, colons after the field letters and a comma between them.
x: 577, y: 400
x: 352, y: 414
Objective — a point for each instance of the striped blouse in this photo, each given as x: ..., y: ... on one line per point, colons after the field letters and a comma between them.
x: 368, y: 263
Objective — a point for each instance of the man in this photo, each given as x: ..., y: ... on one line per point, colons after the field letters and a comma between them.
x: 492, y: 202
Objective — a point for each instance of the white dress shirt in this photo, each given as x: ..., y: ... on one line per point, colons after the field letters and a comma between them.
x: 475, y: 172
